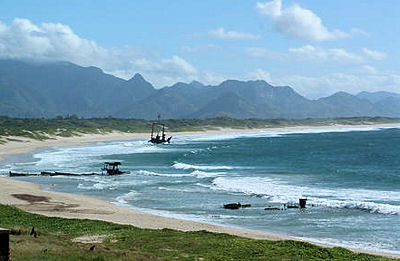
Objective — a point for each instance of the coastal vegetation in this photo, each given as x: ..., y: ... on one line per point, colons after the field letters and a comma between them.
x: 44, y: 128
x: 74, y: 239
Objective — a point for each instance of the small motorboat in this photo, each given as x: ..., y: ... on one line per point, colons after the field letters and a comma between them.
x: 112, y: 168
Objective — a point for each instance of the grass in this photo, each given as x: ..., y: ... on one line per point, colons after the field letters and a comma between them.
x: 123, y: 242
x: 43, y: 128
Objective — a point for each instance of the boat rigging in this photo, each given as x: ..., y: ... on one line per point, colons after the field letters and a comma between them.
x: 158, y: 134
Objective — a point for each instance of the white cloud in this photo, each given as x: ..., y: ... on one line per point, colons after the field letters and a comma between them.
x: 213, y: 78
x: 359, y: 31
x: 376, y: 55
x: 273, y: 8
x: 23, y: 39
x: 308, y: 53
x: 368, y: 69
x: 57, y: 42
x: 298, y: 22
x: 259, y: 74
x: 312, y: 53
x: 177, y: 64
x: 222, y: 34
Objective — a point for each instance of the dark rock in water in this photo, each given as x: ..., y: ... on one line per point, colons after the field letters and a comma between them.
x: 272, y: 208
x: 236, y: 206
x: 232, y: 206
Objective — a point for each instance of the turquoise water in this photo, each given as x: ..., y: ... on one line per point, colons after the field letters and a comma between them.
x: 350, y: 177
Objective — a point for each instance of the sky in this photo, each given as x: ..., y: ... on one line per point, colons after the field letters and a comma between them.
x: 316, y: 47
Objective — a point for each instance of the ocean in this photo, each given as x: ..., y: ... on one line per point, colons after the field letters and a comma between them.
x: 350, y: 177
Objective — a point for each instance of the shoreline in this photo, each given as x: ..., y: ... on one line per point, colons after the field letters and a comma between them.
x: 78, y: 206
x: 25, y: 145
x: 32, y: 198
x: 66, y: 205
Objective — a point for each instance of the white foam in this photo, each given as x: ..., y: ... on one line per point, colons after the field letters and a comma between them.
x: 229, y: 136
x: 196, y: 173
x: 5, y: 169
x: 278, y: 133
x: 123, y: 199
x: 177, y: 190
x: 179, y: 165
x: 204, y: 174
x: 65, y: 158
x: 151, y: 173
x: 106, y: 183
x: 375, y: 247
x: 279, y: 191
x: 101, y: 185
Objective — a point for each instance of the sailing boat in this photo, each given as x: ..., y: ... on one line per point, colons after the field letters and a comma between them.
x: 158, y: 134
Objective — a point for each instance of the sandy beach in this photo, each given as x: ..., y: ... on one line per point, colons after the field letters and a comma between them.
x: 32, y: 198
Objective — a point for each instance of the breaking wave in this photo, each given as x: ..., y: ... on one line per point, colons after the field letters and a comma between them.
x: 179, y: 165
x: 195, y: 173
x: 151, y: 173
x: 123, y: 199
x: 204, y: 174
x: 277, y: 191
x: 278, y: 133
x: 104, y: 183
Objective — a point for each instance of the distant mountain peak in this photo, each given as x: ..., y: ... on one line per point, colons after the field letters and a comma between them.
x: 244, y: 81
x: 378, y: 96
x: 92, y: 68
x: 342, y: 94
x: 196, y: 84
x: 138, y: 77
x: 229, y: 82
x: 141, y: 87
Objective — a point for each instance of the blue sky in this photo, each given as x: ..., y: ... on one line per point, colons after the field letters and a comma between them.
x: 316, y: 47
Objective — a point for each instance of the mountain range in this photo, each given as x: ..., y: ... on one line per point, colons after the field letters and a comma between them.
x: 30, y: 89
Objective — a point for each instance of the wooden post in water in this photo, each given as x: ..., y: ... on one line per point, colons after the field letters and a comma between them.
x: 4, y: 244
x: 302, y: 202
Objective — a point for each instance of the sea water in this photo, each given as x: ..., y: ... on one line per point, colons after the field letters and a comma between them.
x: 350, y: 177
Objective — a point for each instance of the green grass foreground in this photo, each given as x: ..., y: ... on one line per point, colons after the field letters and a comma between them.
x: 44, y: 128
x: 123, y: 242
